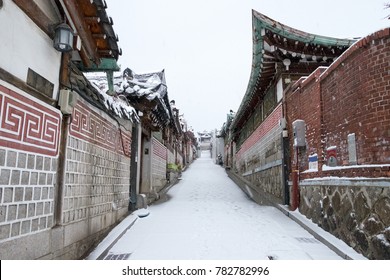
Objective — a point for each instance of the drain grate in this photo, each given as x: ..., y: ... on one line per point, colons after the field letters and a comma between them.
x: 307, y: 240
x: 117, y: 257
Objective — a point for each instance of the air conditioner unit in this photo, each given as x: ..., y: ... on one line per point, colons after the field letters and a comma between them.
x: 67, y: 100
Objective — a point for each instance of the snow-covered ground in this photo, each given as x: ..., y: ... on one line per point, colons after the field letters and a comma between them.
x: 207, y: 217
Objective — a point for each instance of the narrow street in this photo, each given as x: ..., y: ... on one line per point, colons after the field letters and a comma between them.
x: 206, y: 216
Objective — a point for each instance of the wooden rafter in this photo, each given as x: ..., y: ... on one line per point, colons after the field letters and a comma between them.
x: 82, y: 29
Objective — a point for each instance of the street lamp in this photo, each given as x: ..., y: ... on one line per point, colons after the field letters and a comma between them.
x: 63, y: 38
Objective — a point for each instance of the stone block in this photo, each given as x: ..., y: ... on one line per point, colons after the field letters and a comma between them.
x: 51, y: 193
x: 2, y: 157
x: 37, y: 193
x: 5, y: 231
x: 382, y: 209
x: 39, y: 209
x: 350, y: 221
x: 28, y: 193
x: 25, y: 178
x: 11, y: 158
x: 8, y: 195
x: 31, y: 210
x: 15, y: 177
x: 57, y: 238
x: 381, y: 248
x: 54, y: 164
x: 11, y: 213
x: 42, y: 178
x: 22, y: 160
x: 28, y: 247
x: 22, y: 211
x: 50, y: 221
x: 75, y: 232
x: 26, y: 225
x: 49, y: 178
x: 47, y: 208
x: 387, y: 234
x: 361, y: 207
x: 42, y: 223
x: 15, y: 229
x: 5, y: 175
x: 35, y: 225
x: 19, y: 194
x: 34, y: 178
x: 47, y: 164
x: 3, y: 211
x: 45, y: 193
x: 361, y: 240
x: 39, y: 163
x: 31, y: 162
x: 373, y: 225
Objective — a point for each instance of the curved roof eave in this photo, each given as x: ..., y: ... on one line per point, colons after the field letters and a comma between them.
x: 295, y: 34
x: 260, y: 23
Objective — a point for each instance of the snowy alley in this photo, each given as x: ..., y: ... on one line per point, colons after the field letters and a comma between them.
x: 207, y: 217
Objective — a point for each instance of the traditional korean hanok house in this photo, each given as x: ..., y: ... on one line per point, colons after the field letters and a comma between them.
x: 65, y: 158
x: 161, y: 147
x: 258, y: 144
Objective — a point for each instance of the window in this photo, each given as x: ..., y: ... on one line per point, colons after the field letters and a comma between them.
x: 269, y: 101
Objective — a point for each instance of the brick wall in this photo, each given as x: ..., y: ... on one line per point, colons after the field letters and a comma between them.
x: 356, y: 99
x: 349, y: 100
x: 303, y: 102
x: 351, y: 97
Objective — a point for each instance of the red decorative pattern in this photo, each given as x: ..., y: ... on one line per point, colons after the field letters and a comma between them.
x: 28, y: 125
x: 159, y: 149
x: 270, y: 122
x: 92, y: 127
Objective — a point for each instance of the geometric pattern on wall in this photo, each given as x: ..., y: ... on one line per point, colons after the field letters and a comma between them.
x: 159, y: 149
x: 93, y: 128
x: 261, y: 131
x: 28, y: 125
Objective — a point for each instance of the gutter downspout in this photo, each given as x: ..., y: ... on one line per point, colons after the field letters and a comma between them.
x: 61, y: 167
x: 133, y: 167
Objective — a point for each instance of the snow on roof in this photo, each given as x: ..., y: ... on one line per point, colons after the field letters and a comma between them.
x: 150, y: 86
x: 117, y: 104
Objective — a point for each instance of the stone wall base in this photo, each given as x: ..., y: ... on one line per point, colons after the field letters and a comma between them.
x: 356, y: 211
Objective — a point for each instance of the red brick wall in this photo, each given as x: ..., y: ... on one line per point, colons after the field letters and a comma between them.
x: 303, y: 103
x: 351, y: 96
x: 356, y: 98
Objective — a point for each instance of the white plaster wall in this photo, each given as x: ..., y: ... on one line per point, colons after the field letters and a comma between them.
x: 48, y: 9
x: 23, y: 45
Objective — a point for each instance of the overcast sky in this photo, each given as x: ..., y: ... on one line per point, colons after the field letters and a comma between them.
x: 205, y: 46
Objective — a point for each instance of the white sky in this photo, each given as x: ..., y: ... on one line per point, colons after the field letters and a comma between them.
x: 205, y: 46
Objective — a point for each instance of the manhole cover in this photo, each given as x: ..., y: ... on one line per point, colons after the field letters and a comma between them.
x: 307, y: 240
x: 117, y: 256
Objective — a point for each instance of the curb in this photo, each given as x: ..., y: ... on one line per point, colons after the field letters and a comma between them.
x: 336, y: 245
x: 332, y: 242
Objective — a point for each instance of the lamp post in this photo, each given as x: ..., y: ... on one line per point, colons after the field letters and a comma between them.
x: 63, y: 38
